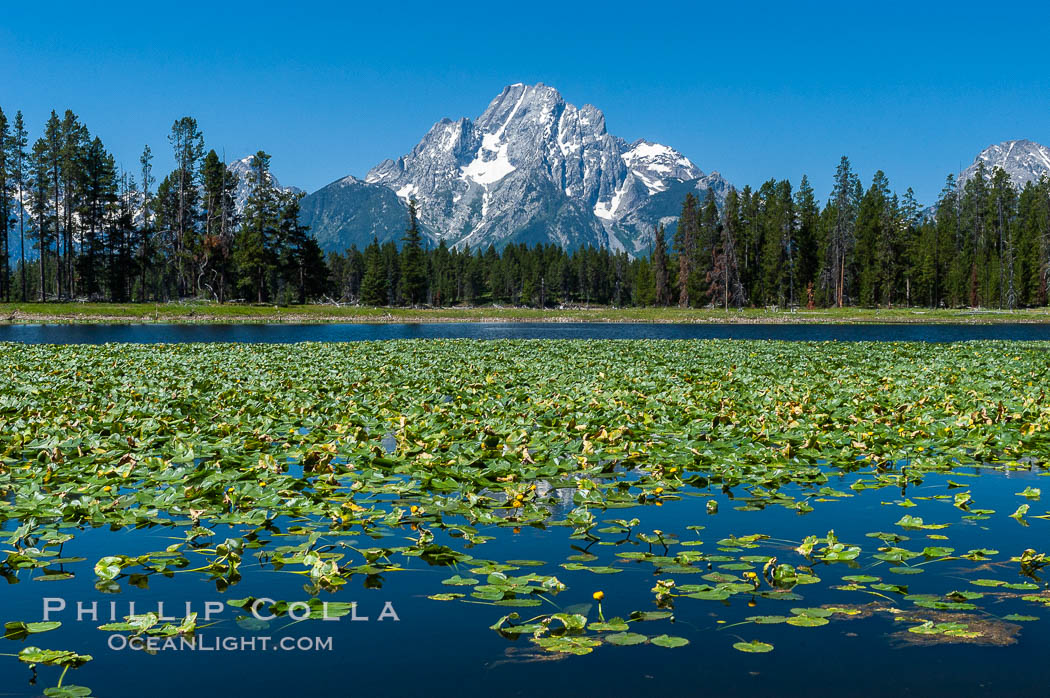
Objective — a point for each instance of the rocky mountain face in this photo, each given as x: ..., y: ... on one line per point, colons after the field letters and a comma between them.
x: 531, y: 168
x: 1025, y: 161
x: 350, y: 211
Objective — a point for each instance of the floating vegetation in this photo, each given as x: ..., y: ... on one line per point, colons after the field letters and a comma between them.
x: 346, y: 464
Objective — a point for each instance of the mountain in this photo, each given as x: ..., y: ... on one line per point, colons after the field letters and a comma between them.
x: 243, y: 169
x: 531, y: 168
x: 1025, y: 161
x: 350, y: 211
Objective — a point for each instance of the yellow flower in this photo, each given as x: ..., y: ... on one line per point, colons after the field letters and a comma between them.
x: 598, y: 595
x: 659, y: 490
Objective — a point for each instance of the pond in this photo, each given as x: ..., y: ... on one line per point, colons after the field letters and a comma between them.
x: 283, y: 334
x: 753, y: 517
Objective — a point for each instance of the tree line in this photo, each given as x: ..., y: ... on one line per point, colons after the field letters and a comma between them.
x: 87, y: 229
x: 101, y: 233
x: 985, y: 243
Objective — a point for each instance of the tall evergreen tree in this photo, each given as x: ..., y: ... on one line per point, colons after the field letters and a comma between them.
x: 413, y: 264
x: 219, y: 186
x: 6, y: 196
x: 100, y: 197
x: 685, y: 243
x: 661, y: 277
x: 143, y: 243
x: 1004, y: 257
x: 908, y: 238
x: 779, y: 248
x: 874, y: 248
x: 807, y: 214
x: 49, y: 157
x: 255, y: 242
x: 187, y: 144
x: 18, y: 159
x: 724, y: 278
x: 73, y: 152
x: 119, y: 241
x: 841, y: 238
x: 302, y: 262
x: 374, y: 289
x: 974, y: 218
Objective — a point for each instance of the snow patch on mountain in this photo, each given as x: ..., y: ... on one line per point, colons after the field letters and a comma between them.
x: 1024, y: 160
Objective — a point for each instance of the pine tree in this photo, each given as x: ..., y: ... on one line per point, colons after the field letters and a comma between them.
x: 253, y: 252
x: 19, y: 173
x: 374, y: 289
x: 413, y: 264
x: 1003, y: 207
x: 779, y: 249
x: 1033, y: 214
x: 6, y: 196
x: 685, y: 242
x: 874, y: 248
x: 749, y: 242
x: 143, y: 243
x: 709, y: 233
x: 73, y: 153
x: 949, y: 237
x: 302, y: 263
x: 808, y: 222
x: 187, y: 144
x: 661, y: 280
x: 910, y: 243
x: 841, y: 238
x: 100, y: 197
x: 120, y: 239
x: 724, y: 277
x: 49, y: 158
x: 974, y: 218
x: 219, y: 185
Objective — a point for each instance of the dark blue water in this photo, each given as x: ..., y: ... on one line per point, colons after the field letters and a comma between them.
x: 284, y: 334
x: 440, y: 649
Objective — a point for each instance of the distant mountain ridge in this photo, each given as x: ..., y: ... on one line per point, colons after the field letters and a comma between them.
x: 531, y: 168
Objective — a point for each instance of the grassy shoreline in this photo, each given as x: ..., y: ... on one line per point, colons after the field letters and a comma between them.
x: 209, y: 313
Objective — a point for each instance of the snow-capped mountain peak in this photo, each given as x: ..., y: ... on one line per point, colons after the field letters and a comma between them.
x: 1024, y: 160
x: 532, y: 168
x: 656, y: 163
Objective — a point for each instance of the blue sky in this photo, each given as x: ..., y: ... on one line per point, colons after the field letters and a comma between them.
x: 329, y: 89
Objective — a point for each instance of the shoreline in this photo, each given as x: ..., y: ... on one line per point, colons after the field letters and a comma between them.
x: 202, y: 314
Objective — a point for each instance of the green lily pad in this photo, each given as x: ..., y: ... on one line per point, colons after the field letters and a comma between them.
x: 753, y: 647
x: 625, y: 639
x: 669, y: 641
